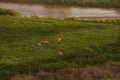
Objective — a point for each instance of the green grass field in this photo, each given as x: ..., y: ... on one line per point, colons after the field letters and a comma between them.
x: 84, y: 44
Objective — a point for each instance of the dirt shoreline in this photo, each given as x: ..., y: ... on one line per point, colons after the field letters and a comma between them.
x: 100, y: 18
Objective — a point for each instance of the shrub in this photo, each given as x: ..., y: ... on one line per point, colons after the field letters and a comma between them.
x: 8, y: 12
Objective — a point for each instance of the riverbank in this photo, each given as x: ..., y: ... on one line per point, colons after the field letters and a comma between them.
x: 84, y: 44
x: 100, y: 18
x: 85, y: 3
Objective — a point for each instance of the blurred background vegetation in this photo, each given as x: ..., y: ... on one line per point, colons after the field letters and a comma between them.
x: 91, y: 3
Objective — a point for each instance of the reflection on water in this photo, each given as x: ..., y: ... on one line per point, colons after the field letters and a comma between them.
x: 58, y: 11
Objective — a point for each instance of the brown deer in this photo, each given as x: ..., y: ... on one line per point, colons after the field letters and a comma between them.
x: 47, y: 42
x: 59, y: 39
x: 59, y: 51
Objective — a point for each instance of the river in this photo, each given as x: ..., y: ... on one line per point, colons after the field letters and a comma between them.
x: 60, y: 11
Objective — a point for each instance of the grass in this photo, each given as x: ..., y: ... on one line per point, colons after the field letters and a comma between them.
x: 91, y: 3
x: 8, y: 12
x: 84, y: 44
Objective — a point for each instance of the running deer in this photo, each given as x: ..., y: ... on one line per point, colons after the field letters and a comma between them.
x: 47, y: 42
x: 60, y: 51
x: 59, y: 39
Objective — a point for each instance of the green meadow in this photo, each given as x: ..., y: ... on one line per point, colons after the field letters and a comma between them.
x: 84, y: 44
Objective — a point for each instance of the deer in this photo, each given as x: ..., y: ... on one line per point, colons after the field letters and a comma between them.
x: 59, y: 51
x: 59, y: 39
x: 47, y: 42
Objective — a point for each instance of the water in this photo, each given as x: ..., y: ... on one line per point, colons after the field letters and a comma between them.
x: 60, y: 11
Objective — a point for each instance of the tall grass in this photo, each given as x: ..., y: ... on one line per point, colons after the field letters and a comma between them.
x: 8, y: 12
x: 84, y: 44
x: 90, y: 73
x: 92, y: 3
